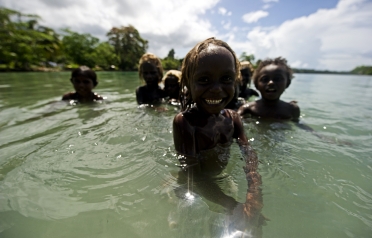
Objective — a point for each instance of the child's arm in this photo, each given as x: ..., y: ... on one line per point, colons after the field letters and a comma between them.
x: 245, y: 109
x: 253, y: 204
x: 139, y: 96
x: 184, y: 143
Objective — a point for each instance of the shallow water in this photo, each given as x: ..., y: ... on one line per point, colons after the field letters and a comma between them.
x: 109, y: 170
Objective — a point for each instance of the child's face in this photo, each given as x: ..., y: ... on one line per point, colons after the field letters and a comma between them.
x: 272, y: 81
x: 246, y: 78
x: 150, y: 74
x: 213, y: 82
x: 83, y: 85
x: 171, y: 86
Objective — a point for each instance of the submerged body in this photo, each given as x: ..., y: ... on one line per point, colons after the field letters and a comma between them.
x: 204, y: 131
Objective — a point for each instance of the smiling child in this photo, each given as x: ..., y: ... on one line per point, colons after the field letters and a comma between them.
x: 271, y: 78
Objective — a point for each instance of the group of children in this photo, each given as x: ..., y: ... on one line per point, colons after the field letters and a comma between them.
x: 211, y: 89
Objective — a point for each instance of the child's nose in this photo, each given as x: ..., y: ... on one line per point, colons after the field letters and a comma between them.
x: 216, y: 87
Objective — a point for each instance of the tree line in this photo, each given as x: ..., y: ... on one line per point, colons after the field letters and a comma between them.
x: 26, y: 45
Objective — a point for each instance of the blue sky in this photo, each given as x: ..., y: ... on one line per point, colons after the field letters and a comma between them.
x: 327, y: 34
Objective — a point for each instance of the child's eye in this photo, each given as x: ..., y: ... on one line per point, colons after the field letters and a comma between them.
x: 264, y: 79
x: 203, y: 80
x: 227, y: 79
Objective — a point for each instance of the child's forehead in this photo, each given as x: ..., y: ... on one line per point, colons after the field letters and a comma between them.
x: 148, y: 66
x: 171, y: 79
x: 273, y: 67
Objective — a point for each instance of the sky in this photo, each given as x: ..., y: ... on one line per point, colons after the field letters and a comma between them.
x: 313, y: 34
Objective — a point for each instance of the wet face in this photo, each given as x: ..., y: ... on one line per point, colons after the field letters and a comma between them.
x: 246, y: 78
x: 171, y: 86
x: 212, y: 85
x: 150, y: 74
x: 83, y: 85
x: 272, y: 81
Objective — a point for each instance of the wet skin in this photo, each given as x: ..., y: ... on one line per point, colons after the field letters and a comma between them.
x: 202, y: 132
x: 246, y: 92
x: 272, y: 82
x: 172, y: 87
x: 83, y: 87
x: 246, y: 79
x: 212, y: 87
x: 151, y: 92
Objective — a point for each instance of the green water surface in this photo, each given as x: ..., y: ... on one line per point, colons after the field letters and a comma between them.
x: 109, y: 169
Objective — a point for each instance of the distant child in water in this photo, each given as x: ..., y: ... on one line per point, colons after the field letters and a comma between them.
x: 171, y: 82
x: 246, y: 70
x: 204, y: 131
x: 151, y: 72
x: 84, y: 80
x: 271, y: 78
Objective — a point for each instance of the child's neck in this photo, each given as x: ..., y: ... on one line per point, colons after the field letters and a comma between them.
x: 271, y: 103
x: 205, y: 114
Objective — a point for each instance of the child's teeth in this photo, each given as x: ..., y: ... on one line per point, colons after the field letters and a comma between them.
x: 211, y: 101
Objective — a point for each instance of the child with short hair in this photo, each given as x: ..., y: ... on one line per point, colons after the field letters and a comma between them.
x: 84, y: 80
x: 150, y: 71
x: 246, y: 70
x: 171, y: 82
x: 271, y: 78
x: 204, y: 131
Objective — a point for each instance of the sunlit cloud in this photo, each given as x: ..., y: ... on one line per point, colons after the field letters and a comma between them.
x: 267, y: 1
x: 254, y: 16
x: 335, y: 39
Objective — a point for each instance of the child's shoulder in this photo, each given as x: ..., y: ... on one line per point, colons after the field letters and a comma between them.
x: 247, y: 108
x: 293, y: 109
x: 69, y: 96
x: 96, y: 96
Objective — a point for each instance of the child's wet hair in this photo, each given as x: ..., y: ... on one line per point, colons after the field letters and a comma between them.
x: 172, y: 72
x: 277, y: 61
x: 190, y: 63
x: 151, y: 59
x: 247, y: 65
x: 86, y: 72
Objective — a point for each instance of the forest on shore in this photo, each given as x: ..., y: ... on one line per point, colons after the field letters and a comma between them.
x: 26, y: 45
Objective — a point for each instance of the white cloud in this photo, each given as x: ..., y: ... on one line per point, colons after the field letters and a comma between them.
x: 335, y: 39
x: 254, y: 16
x: 222, y: 11
x: 266, y: 6
x: 267, y: 1
x: 165, y: 24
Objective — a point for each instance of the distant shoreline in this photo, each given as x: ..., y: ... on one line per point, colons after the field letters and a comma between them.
x: 296, y: 71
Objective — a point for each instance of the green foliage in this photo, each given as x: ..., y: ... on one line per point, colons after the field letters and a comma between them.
x: 79, y: 48
x: 104, y: 56
x: 244, y: 57
x: 171, y: 54
x: 169, y: 63
x: 362, y: 70
x: 128, y: 44
x: 24, y: 43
